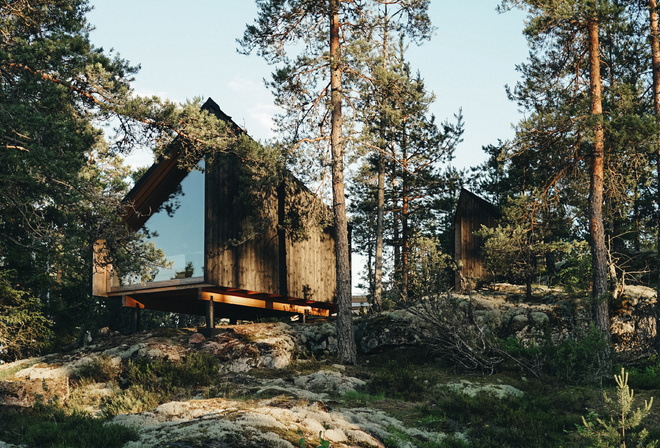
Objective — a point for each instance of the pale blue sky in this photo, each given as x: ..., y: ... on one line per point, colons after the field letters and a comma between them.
x: 188, y: 49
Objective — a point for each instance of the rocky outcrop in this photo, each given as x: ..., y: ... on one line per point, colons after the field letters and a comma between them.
x: 552, y: 314
x: 241, y: 348
x: 634, y: 321
x: 275, y: 422
x: 238, y: 349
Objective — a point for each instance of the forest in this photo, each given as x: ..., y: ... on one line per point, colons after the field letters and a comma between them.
x: 577, y: 186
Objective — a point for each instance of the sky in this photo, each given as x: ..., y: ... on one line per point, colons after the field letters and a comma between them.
x: 188, y: 49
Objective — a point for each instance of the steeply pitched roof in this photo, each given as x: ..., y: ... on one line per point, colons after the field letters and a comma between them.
x: 482, y: 203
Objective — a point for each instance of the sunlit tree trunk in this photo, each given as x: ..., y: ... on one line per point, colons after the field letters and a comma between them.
x: 380, y: 194
x: 380, y: 226
x: 405, y: 243
x: 345, y: 335
x: 655, y: 55
x: 596, y: 228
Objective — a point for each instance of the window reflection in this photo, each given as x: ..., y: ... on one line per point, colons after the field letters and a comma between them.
x: 177, y: 228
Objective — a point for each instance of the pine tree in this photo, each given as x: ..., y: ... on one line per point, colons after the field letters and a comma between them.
x: 312, y: 89
x: 60, y: 184
x: 567, y: 127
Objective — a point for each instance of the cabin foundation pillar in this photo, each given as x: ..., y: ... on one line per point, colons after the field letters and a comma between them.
x: 210, y: 318
x: 135, y: 319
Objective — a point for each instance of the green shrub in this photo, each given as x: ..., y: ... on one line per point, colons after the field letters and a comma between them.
x: 133, y: 400
x: 100, y: 370
x: 195, y: 370
x: 532, y: 420
x: 646, y: 377
x: 623, y: 425
x: 24, y: 328
x: 576, y: 360
x: 575, y: 272
x: 49, y: 427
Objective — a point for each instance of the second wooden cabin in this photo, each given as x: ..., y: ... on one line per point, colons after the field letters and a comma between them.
x: 472, y: 212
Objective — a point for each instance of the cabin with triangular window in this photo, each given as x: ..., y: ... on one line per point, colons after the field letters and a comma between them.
x: 228, y: 256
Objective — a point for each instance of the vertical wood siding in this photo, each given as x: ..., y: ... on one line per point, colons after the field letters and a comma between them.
x: 265, y: 261
x: 471, y: 213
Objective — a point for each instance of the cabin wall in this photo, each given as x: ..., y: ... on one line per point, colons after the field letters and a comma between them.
x: 309, y: 251
x: 472, y: 212
x: 254, y: 264
x: 101, y: 270
x: 277, y: 260
x: 311, y: 267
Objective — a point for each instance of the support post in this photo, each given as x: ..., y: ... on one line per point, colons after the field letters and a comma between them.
x: 135, y: 320
x: 210, y: 318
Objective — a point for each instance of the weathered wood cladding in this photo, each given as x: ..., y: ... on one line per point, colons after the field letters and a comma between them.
x: 471, y: 213
x: 273, y: 260
x: 309, y: 248
x: 252, y: 264
x: 311, y: 267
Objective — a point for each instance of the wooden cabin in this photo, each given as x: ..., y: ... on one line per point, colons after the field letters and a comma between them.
x: 228, y: 256
x: 472, y: 212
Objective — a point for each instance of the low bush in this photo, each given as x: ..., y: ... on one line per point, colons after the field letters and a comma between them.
x: 454, y: 334
x: 400, y: 439
x: 101, y: 369
x: 577, y: 360
x: 534, y: 419
x: 195, y: 370
x: 647, y: 376
x: 133, y: 400
x: 624, y: 425
x: 50, y: 427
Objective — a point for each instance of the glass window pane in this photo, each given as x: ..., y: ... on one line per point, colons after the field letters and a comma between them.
x: 177, y: 228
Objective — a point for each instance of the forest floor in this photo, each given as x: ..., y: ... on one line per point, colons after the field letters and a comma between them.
x: 253, y: 386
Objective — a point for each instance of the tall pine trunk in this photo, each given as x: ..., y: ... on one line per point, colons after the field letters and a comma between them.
x: 380, y: 226
x: 596, y: 228
x: 345, y: 335
x: 655, y: 63
x: 405, y: 243
x: 380, y: 194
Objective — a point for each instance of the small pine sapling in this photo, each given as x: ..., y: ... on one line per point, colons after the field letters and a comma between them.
x: 620, y: 427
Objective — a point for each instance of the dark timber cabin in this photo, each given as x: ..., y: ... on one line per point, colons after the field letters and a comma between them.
x: 471, y: 213
x: 268, y: 275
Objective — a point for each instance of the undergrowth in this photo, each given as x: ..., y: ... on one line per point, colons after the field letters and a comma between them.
x: 195, y: 370
x: 645, y: 376
x: 572, y: 361
x: 544, y: 416
x: 50, y: 426
x: 405, y: 384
